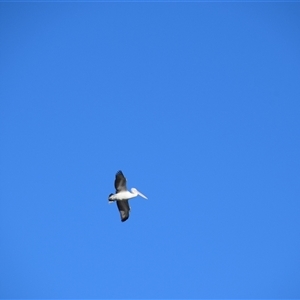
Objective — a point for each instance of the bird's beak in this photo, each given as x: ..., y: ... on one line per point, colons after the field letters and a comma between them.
x: 142, y: 195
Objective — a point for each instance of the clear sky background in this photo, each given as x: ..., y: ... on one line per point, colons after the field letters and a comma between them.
x: 197, y: 103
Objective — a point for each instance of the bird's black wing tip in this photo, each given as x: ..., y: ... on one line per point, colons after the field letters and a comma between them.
x: 124, y: 219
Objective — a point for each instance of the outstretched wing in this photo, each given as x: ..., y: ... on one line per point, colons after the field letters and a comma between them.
x: 124, y: 209
x: 120, y: 182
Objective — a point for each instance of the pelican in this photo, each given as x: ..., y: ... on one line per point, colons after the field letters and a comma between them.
x: 122, y: 196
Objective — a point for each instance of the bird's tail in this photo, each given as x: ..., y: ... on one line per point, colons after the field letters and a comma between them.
x: 110, y: 200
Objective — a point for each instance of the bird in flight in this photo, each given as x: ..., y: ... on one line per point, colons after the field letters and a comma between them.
x: 122, y: 196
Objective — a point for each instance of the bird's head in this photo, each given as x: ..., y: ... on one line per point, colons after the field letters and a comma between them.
x: 136, y: 192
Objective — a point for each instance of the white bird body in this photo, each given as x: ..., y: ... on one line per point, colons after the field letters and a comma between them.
x: 126, y: 195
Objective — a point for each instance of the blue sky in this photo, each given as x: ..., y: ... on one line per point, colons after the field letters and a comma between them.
x: 198, y: 105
